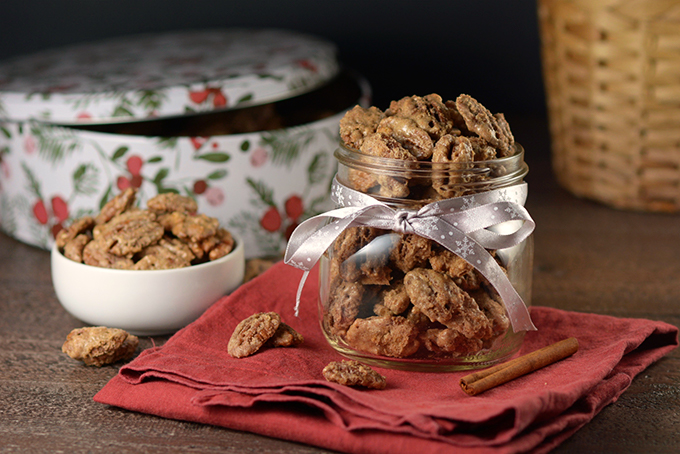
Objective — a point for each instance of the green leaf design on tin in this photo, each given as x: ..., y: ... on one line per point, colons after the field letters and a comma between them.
x: 167, y: 143
x: 33, y: 183
x: 6, y: 132
x: 214, y: 157
x: 245, y: 98
x: 119, y: 153
x: 85, y: 179
x: 264, y: 193
x: 217, y: 175
x: 287, y: 145
x: 54, y: 143
x: 150, y: 100
x: 105, y: 198
x: 162, y: 173
x: 316, y: 171
x: 245, y: 145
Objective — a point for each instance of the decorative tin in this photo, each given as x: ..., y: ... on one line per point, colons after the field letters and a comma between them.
x: 66, y: 117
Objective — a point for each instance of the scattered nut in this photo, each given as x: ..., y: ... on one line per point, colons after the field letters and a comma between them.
x: 353, y: 373
x: 99, y: 345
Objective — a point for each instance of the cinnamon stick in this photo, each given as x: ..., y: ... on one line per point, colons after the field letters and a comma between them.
x: 481, y: 381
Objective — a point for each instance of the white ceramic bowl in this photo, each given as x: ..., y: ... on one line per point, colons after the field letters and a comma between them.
x: 144, y: 303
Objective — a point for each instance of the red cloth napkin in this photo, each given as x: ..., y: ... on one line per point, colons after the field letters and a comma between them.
x: 281, y: 392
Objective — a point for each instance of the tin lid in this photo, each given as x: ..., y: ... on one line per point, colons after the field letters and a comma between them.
x: 161, y: 75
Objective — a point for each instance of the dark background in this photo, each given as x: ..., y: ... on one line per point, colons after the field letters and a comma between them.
x: 489, y: 49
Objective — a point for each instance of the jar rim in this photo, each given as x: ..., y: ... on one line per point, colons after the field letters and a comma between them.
x: 512, y: 166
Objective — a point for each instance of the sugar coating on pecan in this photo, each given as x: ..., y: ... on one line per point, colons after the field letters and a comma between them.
x: 406, y: 131
x: 73, y: 249
x: 77, y: 227
x: 286, y: 336
x: 437, y: 296
x: 429, y: 112
x: 169, y: 202
x: 166, y: 254
x: 252, y: 333
x: 358, y: 123
x: 99, y: 345
x: 492, y: 128
x: 353, y: 373
x: 260, y: 330
x: 120, y: 203
x: 392, y: 336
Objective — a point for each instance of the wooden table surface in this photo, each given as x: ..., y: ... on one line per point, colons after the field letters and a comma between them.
x: 588, y: 258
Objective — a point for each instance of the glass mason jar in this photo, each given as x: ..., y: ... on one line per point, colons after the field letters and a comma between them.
x: 401, y: 300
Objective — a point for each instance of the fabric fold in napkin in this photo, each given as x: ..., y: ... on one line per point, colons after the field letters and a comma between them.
x: 280, y: 392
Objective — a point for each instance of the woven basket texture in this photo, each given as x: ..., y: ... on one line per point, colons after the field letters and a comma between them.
x: 612, y: 78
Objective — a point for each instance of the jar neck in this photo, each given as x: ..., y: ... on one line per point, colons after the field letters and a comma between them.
x: 419, y: 177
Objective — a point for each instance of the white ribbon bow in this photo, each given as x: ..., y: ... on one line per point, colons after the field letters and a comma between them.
x: 466, y: 226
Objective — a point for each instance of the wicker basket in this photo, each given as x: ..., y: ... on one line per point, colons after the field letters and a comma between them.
x: 612, y: 75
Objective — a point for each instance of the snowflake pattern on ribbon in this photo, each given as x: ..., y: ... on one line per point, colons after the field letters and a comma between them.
x: 512, y: 212
x: 465, y: 248
x: 469, y: 202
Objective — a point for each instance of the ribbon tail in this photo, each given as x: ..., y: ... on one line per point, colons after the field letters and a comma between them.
x: 299, y: 292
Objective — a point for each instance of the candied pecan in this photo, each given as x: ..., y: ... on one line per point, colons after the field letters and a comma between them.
x: 285, y: 336
x: 395, y: 299
x: 394, y: 187
x: 120, y: 203
x: 130, y: 232
x: 504, y: 127
x: 169, y: 202
x: 494, y: 311
x: 344, y: 304
x: 450, y: 341
x: 167, y: 254
x: 353, y: 373
x: 97, y: 253
x: 392, y: 336
x: 353, y: 239
x: 456, y: 152
x: 368, y: 264
x: 412, y: 251
x: 99, y: 345
x: 224, y: 244
x: 447, y: 262
x: 429, y: 113
x: 409, y: 135
x: 480, y: 121
x: 437, y: 296
x: 385, y: 146
x: 194, y: 227
x: 358, y: 123
x: 252, y: 333
x: 483, y: 151
x: 459, y: 126
x: 361, y: 181
x: 73, y: 249
x: 77, y: 227
x: 132, y: 216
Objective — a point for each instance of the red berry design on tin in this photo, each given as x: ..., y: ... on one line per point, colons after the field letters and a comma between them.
x: 59, y: 208
x: 134, y: 165
x: 294, y: 207
x: 271, y: 221
x: 40, y: 212
x: 199, y: 97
